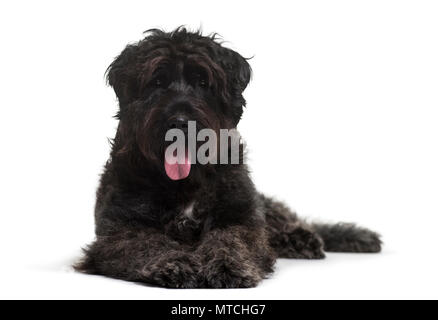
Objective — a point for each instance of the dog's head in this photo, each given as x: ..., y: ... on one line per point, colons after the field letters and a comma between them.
x: 168, y: 79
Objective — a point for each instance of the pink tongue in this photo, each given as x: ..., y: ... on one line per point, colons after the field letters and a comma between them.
x: 177, y: 168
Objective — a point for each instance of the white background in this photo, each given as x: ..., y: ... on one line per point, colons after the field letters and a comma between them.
x: 342, y: 124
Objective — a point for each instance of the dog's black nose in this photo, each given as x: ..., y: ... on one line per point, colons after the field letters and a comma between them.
x: 179, y: 122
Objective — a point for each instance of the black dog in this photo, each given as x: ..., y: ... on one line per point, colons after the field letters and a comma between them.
x: 209, y: 227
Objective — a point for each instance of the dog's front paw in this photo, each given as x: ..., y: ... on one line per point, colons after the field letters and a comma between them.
x: 177, y: 272
x: 227, y: 272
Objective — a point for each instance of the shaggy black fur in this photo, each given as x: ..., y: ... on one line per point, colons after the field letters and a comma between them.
x: 212, y: 229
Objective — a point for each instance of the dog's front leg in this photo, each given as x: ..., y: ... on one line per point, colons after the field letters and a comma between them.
x: 145, y: 256
x: 235, y: 257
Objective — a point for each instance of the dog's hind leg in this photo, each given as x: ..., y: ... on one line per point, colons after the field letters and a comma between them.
x: 293, y: 238
x: 289, y: 236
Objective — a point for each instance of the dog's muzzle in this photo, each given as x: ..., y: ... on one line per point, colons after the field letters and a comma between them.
x: 177, y: 165
x: 180, y: 122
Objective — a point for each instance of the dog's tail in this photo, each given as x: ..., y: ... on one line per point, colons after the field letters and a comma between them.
x: 347, y: 237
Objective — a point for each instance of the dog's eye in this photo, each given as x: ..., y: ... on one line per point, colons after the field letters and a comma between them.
x: 200, y: 80
x: 159, y: 82
x: 197, y: 77
x: 203, y: 83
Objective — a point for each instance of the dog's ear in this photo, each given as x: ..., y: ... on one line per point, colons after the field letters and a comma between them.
x: 238, y: 73
x: 122, y: 75
x: 237, y: 68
